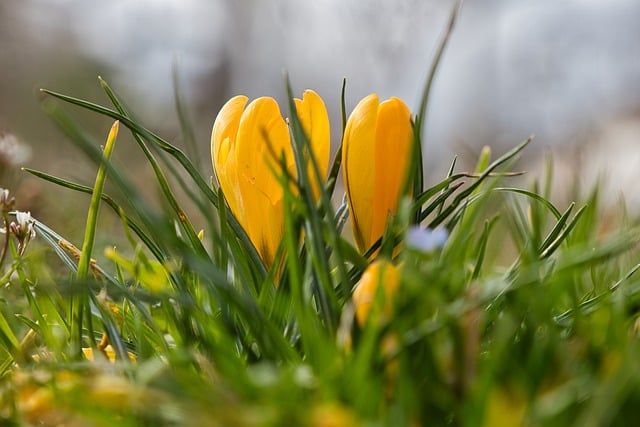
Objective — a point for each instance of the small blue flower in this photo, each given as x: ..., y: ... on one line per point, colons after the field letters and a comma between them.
x: 426, y: 239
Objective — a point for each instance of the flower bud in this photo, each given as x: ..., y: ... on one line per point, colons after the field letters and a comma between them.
x: 376, y: 156
x: 248, y: 144
x: 365, y: 293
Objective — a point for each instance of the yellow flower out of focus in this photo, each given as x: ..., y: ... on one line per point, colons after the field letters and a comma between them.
x: 332, y: 415
x: 364, y: 294
x: 248, y: 143
x: 375, y: 160
x: 108, y: 352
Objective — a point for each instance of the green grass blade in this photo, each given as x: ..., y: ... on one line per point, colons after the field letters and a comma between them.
x: 537, y: 197
x: 334, y: 170
x: 185, y: 122
x: 92, y: 215
x: 482, y: 247
x: 553, y: 245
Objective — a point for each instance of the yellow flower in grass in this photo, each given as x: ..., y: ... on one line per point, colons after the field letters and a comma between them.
x: 373, y: 298
x: 365, y: 293
x: 248, y: 143
x: 376, y: 156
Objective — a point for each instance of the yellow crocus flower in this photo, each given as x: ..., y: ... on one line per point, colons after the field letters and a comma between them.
x: 380, y: 272
x: 375, y: 159
x: 247, y: 145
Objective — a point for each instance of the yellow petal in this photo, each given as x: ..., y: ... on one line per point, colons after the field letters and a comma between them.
x: 262, y: 134
x: 365, y: 292
x: 394, y: 137
x: 226, y: 123
x: 358, y: 158
x: 223, y: 139
x: 271, y: 232
x: 315, y: 122
x: 263, y: 138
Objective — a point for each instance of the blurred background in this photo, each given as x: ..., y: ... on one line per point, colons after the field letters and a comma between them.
x: 568, y: 72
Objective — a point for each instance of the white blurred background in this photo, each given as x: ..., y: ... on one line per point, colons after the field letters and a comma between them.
x: 567, y: 71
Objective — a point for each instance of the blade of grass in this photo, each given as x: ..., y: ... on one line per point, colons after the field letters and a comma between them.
x: 591, y: 304
x: 185, y: 122
x: 556, y: 213
x: 557, y: 229
x: 418, y: 181
x: 94, y: 206
x: 482, y: 247
x: 552, y: 246
x: 334, y: 170
x: 80, y: 301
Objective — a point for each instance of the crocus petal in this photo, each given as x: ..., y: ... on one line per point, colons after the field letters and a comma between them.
x: 358, y: 160
x: 223, y: 139
x: 271, y: 232
x: 262, y: 134
x: 392, y: 154
x: 365, y: 292
x: 226, y: 125
x: 315, y: 122
x: 263, y: 137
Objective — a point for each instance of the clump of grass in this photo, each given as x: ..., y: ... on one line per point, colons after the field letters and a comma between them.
x: 190, y: 327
